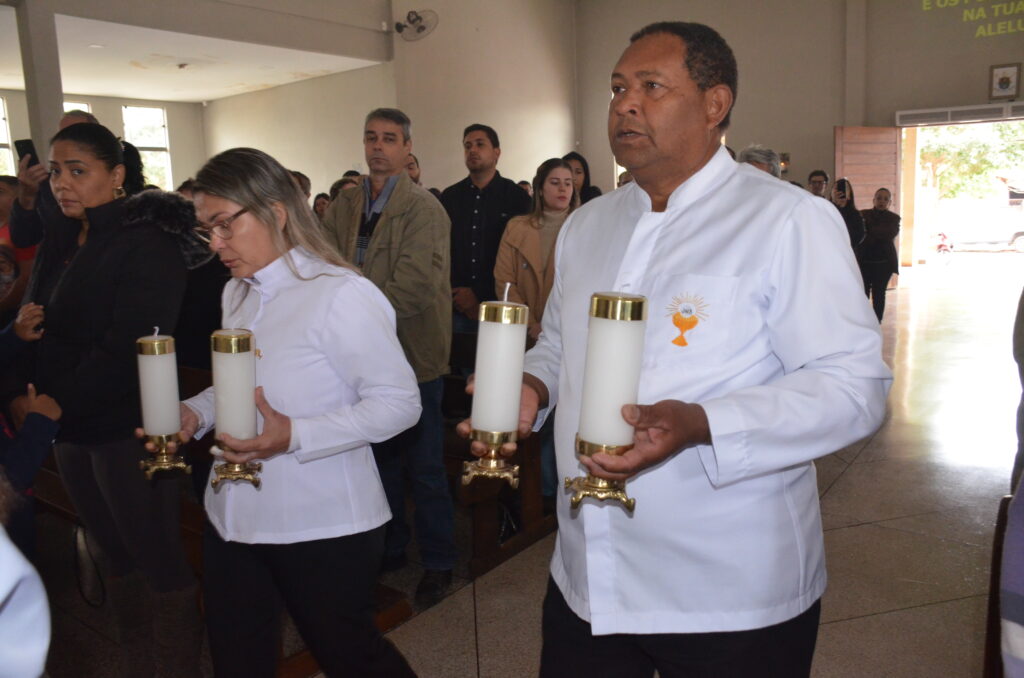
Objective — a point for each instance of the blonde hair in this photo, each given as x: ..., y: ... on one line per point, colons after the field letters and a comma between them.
x: 256, y: 181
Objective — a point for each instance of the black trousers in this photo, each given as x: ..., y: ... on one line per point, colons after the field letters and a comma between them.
x: 876, y: 275
x: 327, y: 586
x: 570, y: 649
x: 134, y: 520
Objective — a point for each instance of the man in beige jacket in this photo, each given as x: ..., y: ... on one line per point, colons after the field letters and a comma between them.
x: 398, y: 234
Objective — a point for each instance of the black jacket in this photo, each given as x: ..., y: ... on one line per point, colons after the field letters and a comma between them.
x: 127, y: 278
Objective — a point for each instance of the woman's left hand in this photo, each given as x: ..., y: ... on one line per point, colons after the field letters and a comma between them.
x: 276, y: 436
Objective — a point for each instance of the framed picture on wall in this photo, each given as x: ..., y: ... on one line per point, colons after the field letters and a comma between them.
x: 1004, y: 82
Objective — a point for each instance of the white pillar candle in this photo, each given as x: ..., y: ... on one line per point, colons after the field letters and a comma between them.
x: 158, y: 385
x: 234, y: 383
x: 498, y: 381
x: 611, y: 377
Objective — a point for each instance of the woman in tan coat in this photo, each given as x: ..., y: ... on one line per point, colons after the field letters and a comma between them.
x: 525, y: 257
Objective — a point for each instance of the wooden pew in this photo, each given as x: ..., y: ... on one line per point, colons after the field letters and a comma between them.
x: 483, y: 497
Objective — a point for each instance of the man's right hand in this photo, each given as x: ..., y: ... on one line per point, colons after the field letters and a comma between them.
x: 29, y: 178
x: 42, y: 404
x: 529, y: 404
x: 465, y: 300
x: 189, y: 426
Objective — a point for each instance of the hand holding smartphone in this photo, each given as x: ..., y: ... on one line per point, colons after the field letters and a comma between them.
x: 26, y: 147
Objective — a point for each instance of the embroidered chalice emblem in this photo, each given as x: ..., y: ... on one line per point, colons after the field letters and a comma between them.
x: 686, y: 312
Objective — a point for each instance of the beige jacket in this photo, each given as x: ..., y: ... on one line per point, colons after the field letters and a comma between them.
x: 521, y: 263
x: 408, y: 259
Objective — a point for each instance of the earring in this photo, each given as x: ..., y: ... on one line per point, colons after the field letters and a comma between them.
x: 119, y: 192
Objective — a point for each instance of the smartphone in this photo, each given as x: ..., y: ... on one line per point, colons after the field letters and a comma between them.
x: 25, y: 146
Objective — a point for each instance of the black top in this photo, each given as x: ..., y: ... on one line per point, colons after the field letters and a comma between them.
x: 589, y: 193
x: 126, y: 279
x: 854, y: 223
x: 880, y: 230
x: 56, y: 235
x: 478, y: 222
x: 200, y: 314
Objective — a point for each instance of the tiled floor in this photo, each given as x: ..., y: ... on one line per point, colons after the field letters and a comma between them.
x: 908, y: 514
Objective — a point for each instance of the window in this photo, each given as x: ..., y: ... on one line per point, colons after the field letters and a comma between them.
x: 77, y: 106
x: 7, y: 164
x: 146, y: 128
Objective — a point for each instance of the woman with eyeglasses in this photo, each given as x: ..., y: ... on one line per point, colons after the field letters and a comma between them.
x: 331, y: 379
x: 119, y: 275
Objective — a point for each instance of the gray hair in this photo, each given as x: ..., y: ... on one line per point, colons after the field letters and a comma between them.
x: 256, y: 181
x: 392, y: 115
x: 765, y: 156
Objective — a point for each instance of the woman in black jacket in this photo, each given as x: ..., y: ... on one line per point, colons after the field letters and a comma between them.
x: 123, y: 275
x: 876, y: 254
x: 842, y: 198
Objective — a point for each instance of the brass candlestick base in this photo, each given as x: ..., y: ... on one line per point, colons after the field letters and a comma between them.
x: 492, y: 465
x: 162, y: 459
x: 228, y: 471
x: 594, y: 487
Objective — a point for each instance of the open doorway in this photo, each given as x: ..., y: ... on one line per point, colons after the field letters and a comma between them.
x: 965, y: 188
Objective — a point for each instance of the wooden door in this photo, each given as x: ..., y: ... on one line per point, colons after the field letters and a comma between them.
x: 870, y: 158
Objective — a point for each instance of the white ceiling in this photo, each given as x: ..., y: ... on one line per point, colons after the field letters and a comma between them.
x: 106, y: 59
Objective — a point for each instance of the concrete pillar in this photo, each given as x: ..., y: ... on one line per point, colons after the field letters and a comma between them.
x: 40, y: 62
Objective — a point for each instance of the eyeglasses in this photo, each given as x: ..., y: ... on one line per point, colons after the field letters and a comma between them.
x: 221, y: 229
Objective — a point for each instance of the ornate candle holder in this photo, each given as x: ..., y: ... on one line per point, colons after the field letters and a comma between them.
x: 501, y: 342
x: 158, y: 388
x: 248, y: 472
x: 611, y: 379
x: 594, y: 487
x: 163, y: 459
x: 492, y: 465
x: 234, y: 377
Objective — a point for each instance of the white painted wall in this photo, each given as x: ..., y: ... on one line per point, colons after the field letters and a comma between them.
x: 506, y: 64
x: 931, y: 58
x: 314, y: 126
x: 790, y: 57
x: 792, y: 60
x: 184, y: 125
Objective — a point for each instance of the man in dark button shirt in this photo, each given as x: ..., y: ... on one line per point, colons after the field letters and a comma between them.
x: 479, y: 207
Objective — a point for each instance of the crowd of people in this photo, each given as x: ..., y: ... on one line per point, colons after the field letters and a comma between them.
x: 353, y: 301
x: 872, y: 232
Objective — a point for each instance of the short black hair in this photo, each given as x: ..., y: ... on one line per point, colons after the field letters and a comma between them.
x: 709, y: 59
x: 351, y: 173
x: 186, y: 185
x: 322, y: 195
x: 486, y: 129
x: 817, y: 173
x: 392, y: 115
x: 9, y: 180
x: 108, y: 149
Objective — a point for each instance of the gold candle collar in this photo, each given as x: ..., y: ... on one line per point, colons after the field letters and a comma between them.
x: 238, y: 341
x: 616, y: 306
x: 155, y: 345
x: 504, y: 312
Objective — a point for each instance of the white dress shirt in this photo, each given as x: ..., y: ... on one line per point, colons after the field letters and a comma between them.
x: 785, y: 358
x: 24, y: 615
x: 328, y: 358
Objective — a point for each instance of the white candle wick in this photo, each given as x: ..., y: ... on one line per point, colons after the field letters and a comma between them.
x: 156, y: 331
x: 508, y: 286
